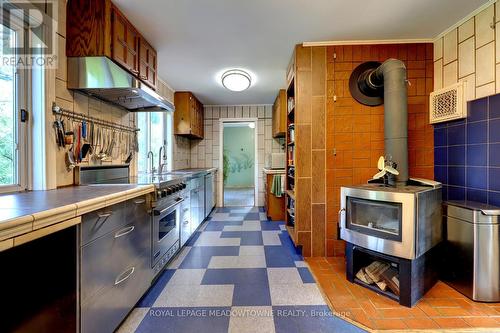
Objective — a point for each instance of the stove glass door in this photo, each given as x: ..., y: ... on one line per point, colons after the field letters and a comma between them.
x: 377, y: 218
x: 166, y: 225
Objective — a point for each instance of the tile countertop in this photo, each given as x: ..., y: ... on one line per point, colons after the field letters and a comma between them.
x: 25, y: 212
x: 273, y: 171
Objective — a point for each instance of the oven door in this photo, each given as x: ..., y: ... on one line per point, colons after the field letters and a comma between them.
x: 166, y: 228
x: 378, y: 220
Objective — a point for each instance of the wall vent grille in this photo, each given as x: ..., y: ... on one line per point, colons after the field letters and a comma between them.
x: 448, y: 104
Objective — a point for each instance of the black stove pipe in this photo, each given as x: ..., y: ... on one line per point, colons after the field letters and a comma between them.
x: 391, y: 75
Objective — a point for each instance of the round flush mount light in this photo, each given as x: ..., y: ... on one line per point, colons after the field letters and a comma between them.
x: 236, y: 80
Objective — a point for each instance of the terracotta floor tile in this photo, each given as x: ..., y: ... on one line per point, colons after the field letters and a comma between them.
x: 420, y: 323
x: 361, y: 317
x: 482, y: 322
x: 369, y: 309
x: 389, y: 324
x: 344, y: 303
x: 442, y: 302
x: 451, y: 322
x: 453, y: 312
x: 395, y: 313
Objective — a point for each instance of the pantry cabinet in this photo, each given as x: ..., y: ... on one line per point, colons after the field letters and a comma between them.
x: 98, y: 28
x: 279, y: 115
x: 188, y: 115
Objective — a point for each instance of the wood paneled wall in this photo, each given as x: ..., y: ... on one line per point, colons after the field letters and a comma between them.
x: 338, y: 140
x: 355, y: 133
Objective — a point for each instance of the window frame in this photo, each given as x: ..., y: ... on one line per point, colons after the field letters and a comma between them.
x: 22, y: 135
x: 167, y: 124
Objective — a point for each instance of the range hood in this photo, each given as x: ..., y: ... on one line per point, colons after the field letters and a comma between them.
x: 100, y: 77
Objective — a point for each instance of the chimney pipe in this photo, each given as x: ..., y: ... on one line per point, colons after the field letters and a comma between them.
x: 392, y: 75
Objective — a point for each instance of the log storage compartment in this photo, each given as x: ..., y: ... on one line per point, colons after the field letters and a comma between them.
x: 414, y: 277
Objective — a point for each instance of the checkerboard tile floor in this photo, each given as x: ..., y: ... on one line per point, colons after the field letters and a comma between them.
x: 238, y: 273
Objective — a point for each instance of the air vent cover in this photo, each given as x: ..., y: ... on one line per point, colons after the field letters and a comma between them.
x: 448, y: 104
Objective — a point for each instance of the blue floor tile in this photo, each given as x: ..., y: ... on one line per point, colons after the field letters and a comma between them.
x: 270, y: 225
x: 306, y: 275
x: 276, y: 256
x: 301, y: 319
x: 193, y: 238
x: 219, y: 225
x: 251, y: 295
x: 199, y: 256
x: 247, y: 237
x: 185, y: 320
x: 262, y: 209
x: 247, y: 216
x: 150, y: 297
x: 235, y: 276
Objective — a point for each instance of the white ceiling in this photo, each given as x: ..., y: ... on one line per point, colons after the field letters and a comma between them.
x: 196, y: 39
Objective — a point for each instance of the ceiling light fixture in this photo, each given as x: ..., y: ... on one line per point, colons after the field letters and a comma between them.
x: 236, y: 80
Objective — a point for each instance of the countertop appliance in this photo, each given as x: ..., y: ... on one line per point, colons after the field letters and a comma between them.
x: 275, y: 161
x: 401, y: 221
x: 472, y: 250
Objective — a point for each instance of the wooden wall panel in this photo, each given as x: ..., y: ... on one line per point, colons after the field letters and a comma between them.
x: 318, y: 230
x: 303, y: 203
x: 318, y: 194
x: 303, y: 151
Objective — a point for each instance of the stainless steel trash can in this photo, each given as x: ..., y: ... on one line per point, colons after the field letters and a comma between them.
x: 472, y: 249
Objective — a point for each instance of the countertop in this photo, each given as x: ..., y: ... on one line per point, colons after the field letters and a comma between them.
x: 273, y: 171
x: 24, y: 212
x: 194, y: 171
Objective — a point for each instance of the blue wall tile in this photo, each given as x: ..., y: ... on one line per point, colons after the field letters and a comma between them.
x: 456, y: 155
x: 441, y: 174
x: 456, y: 135
x: 477, y: 177
x: 441, y: 156
x: 456, y: 193
x: 477, y: 155
x: 494, y: 130
x: 494, y: 178
x: 477, y: 132
x: 478, y: 109
x: 477, y: 195
x: 440, y: 137
x: 445, y: 192
x: 456, y: 176
x: 494, y: 198
x: 494, y: 154
x: 494, y: 106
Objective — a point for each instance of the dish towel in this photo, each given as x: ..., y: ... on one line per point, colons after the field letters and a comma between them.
x: 277, y: 188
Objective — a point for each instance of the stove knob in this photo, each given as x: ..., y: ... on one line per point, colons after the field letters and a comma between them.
x: 169, y: 190
x: 158, y: 193
x: 163, y: 194
x: 183, y: 185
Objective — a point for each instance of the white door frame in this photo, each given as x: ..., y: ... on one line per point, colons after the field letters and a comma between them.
x: 220, y: 185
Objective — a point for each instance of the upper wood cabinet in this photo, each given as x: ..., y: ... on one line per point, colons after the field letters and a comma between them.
x: 188, y: 115
x: 98, y: 28
x: 279, y: 115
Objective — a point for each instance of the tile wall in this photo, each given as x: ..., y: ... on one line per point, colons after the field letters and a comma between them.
x: 467, y: 153
x: 182, y: 153
x: 471, y: 53
x: 205, y: 153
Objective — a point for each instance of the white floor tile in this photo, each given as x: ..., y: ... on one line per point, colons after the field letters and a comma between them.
x: 187, y: 277
x: 286, y: 275
x: 282, y: 227
x: 301, y: 264
x: 237, y: 262
x: 296, y: 294
x: 252, y: 250
x: 226, y: 217
x: 174, y: 264
x: 212, y: 238
x: 245, y: 226
x: 133, y: 320
x: 192, y: 296
x: 271, y: 237
x: 251, y: 319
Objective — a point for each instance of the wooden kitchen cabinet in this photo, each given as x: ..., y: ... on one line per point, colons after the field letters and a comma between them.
x: 188, y: 115
x: 279, y: 115
x: 98, y: 28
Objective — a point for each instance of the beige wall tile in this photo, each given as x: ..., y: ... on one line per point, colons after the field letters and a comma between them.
x: 466, y: 30
x: 498, y: 76
x: 486, y: 90
x: 450, y: 47
x: 438, y: 74
x: 466, y: 61
x: 485, y: 64
x: 484, y: 32
x: 438, y: 49
x: 497, y: 12
x: 497, y: 38
x: 470, y: 88
x: 450, y: 75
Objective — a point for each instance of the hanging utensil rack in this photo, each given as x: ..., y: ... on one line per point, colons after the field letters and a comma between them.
x: 101, y: 122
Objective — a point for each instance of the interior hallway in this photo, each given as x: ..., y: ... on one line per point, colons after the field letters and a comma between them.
x: 239, y: 197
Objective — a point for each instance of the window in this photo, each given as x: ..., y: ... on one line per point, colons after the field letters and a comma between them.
x: 13, y: 171
x: 155, y: 132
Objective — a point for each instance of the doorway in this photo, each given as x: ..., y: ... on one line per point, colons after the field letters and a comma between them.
x: 239, y: 163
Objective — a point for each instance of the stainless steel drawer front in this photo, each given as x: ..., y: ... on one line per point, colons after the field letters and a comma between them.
x: 98, y: 223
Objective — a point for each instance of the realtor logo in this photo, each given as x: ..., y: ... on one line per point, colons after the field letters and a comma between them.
x: 28, y: 33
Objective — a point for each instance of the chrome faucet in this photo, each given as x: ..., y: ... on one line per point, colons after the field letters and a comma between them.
x: 152, y: 168
x: 160, y: 159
